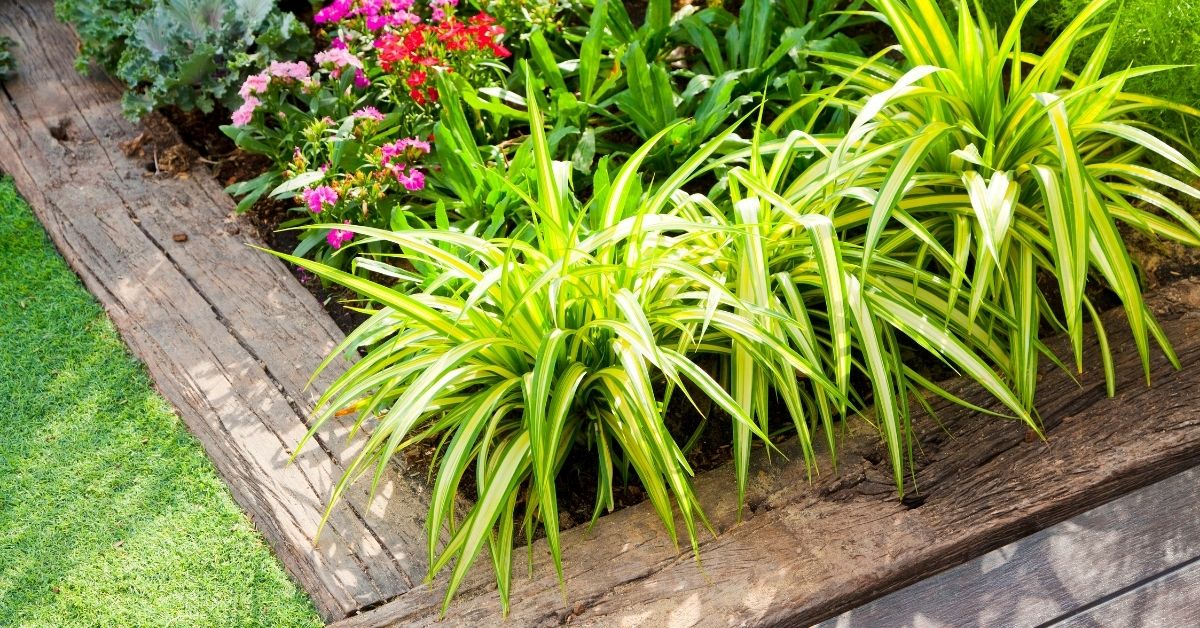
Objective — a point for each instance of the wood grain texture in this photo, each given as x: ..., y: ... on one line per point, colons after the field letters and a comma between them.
x: 807, y: 551
x: 1112, y: 550
x: 1170, y: 600
x: 229, y: 336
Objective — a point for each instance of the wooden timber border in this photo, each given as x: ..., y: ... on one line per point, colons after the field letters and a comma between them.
x: 230, y: 338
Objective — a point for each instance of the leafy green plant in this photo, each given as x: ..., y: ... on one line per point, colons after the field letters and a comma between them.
x: 189, y: 53
x: 526, y: 351
x: 103, y: 26
x: 8, y: 65
x: 195, y: 53
x: 1006, y: 174
x: 1147, y: 32
x: 612, y: 85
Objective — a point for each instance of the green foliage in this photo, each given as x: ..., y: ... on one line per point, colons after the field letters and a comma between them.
x: 193, y: 54
x: 110, y: 513
x: 103, y: 26
x: 8, y: 65
x: 570, y: 337
x: 1149, y: 32
x: 999, y: 174
x: 611, y: 85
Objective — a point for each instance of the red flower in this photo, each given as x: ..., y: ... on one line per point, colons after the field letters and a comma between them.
x: 432, y: 92
x: 417, y: 96
x: 416, y: 79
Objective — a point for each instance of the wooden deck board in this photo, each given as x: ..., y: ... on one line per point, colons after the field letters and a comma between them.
x: 1120, y: 549
x: 1172, y: 599
x: 229, y: 336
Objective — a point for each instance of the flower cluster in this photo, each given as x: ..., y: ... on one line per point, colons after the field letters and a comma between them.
x: 445, y: 44
x: 336, y: 118
x: 258, y: 84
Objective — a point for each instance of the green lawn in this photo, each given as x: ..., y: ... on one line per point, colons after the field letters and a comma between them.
x: 110, y: 514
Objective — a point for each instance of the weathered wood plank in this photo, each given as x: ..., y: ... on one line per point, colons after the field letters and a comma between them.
x: 805, y: 552
x: 229, y: 336
x: 1172, y: 599
x: 1057, y: 571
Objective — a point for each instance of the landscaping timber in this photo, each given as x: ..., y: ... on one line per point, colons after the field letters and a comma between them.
x: 1133, y: 561
x: 806, y: 551
x: 228, y: 334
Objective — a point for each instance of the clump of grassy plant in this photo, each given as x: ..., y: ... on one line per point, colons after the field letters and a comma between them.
x: 572, y: 335
x: 1000, y: 167
x: 523, y: 351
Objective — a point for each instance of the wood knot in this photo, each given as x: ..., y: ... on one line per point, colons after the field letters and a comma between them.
x: 61, y: 130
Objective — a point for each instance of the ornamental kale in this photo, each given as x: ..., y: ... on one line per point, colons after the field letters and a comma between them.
x: 189, y: 53
x: 195, y: 53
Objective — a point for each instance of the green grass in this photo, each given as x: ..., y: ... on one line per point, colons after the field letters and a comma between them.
x: 110, y: 514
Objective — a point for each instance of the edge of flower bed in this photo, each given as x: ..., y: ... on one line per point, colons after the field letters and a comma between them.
x: 806, y: 551
x: 229, y: 336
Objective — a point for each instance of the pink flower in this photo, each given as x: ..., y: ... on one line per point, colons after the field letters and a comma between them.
x: 255, y: 84
x: 337, y: 237
x: 369, y: 113
x: 297, y: 70
x: 317, y: 198
x: 338, y: 57
x: 245, y: 113
x: 413, y: 181
x: 360, y: 80
x: 408, y: 146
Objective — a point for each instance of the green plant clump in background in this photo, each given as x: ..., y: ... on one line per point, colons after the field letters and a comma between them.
x: 110, y: 513
x: 8, y: 65
x: 1150, y: 32
x: 193, y: 54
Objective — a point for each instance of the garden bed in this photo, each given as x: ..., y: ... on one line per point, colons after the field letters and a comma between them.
x: 231, y: 337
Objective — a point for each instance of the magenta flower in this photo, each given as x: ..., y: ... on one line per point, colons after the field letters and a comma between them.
x: 337, y: 237
x: 413, y: 181
x: 360, y: 79
x: 369, y: 113
x: 336, y: 10
x: 410, y: 147
x: 317, y: 198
